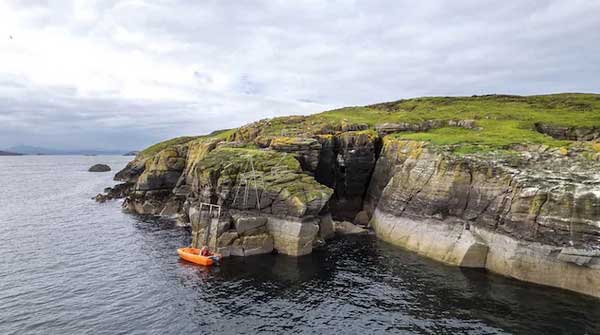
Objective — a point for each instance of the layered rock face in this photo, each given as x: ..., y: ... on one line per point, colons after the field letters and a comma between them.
x: 153, y: 181
x: 532, y: 215
x: 505, y: 183
x: 263, y: 184
x: 569, y: 133
x: 346, y: 164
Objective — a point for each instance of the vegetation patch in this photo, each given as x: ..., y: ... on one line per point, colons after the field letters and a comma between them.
x: 158, y: 147
x: 501, y: 121
x: 244, y: 159
x: 493, y: 135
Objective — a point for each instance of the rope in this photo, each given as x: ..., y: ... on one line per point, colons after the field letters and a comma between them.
x: 255, y: 188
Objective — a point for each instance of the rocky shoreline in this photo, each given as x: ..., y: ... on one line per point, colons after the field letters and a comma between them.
x: 528, y: 209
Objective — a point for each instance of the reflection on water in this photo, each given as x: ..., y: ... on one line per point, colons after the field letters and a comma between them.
x: 72, y: 266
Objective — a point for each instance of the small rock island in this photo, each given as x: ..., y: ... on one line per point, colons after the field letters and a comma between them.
x: 99, y: 168
x: 510, y: 184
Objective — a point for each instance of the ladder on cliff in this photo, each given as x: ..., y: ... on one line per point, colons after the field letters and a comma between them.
x: 213, y: 212
x: 255, y: 179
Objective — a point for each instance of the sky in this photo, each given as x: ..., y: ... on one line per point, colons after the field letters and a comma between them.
x: 126, y: 74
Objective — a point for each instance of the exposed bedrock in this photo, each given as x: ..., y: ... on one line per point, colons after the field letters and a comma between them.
x: 569, y: 133
x: 268, y: 202
x: 273, y: 204
x: 153, y: 181
x: 533, y: 218
x: 391, y: 128
x: 489, y: 189
x: 118, y: 191
x: 346, y: 163
x: 532, y: 214
x: 306, y: 150
x: 247, y: 233
x: 340, y: 155
x: 342, y: 161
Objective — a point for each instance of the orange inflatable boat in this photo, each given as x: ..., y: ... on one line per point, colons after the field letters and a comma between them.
x: 193, y: 255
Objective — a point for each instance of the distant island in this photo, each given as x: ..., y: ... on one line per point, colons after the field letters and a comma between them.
x: 8, y: 153
x: 33, y: 150
x: 131, y: 153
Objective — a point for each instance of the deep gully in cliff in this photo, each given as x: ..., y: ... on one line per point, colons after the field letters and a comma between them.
x: 347, y: 166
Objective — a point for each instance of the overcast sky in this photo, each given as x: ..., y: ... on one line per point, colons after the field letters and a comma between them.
x: 125, y: 74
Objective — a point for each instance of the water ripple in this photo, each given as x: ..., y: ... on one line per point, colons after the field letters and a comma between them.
x: 70, y: 265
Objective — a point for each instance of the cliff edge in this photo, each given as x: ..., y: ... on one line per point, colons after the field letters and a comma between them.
x: 505, y: 183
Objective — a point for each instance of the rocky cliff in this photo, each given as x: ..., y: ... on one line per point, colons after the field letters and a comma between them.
x: 533, y: 214
x: 505, y: 183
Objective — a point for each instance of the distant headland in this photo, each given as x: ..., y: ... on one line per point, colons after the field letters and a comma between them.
x: 34, y: 150
x: 9, y: 153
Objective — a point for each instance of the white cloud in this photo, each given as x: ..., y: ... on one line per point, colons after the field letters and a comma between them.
x: 146, y: 70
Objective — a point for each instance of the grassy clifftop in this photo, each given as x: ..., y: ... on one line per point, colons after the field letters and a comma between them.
x: 156, y: 148
x: 500, y: 121
x: 568, y: 109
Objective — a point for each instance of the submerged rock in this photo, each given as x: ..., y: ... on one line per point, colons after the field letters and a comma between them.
x: 118, y: 191
x: 99, y: 168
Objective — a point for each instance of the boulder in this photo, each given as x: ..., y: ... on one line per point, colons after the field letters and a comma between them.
x: 257, y: 244
x: 100, y: 197
x: 306, y: 150
x: 236, y: 248
x: 99, y: 168
x: 245, y: 246
x: 132, y: 171
x: 390, y: 128
x: 347, y: 228
x: 247, y: 224
x: 362, y: 218
x: 226, y: 239
x: 292, y: 236
x: 171, y: 208
x: 326, y: 227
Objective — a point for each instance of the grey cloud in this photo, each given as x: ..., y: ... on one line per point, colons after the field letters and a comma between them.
x: 282, y: 58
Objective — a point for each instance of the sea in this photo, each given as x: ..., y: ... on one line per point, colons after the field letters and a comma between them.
x: 69, y: 265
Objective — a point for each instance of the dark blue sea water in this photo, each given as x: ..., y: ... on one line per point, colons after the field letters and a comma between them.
x: 72, y: 266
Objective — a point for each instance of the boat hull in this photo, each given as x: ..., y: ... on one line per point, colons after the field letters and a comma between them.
x: 193, y: 255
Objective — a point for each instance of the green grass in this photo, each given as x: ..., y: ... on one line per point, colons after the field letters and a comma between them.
x: 492, y: 135
x: 577, y: 110
x: 240, y: 158
x: 158, y: 147
x: 504, y: 120
x: 221, y: 134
